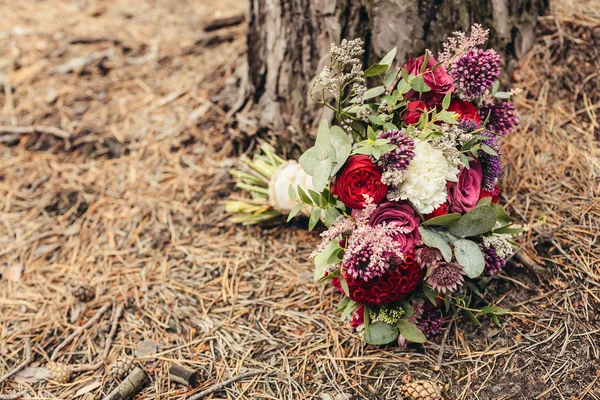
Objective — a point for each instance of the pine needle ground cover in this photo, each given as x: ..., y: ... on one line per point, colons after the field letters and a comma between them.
x: 112, y: 209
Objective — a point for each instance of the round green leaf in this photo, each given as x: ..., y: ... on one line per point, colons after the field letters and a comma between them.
x: 433, y: 239
x: 469, y: 255
x: 474, y: 223
x: 381, y: 333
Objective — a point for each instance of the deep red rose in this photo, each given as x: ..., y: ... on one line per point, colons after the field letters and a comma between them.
x: 413, y: 112
x: 395, y: 284
x: 400, y: 214
x: 438, y: 212
x: 438, y: 79
x: 358, y: 317
x: 494, y: 194
x: 357, y: 178
x: 466, y: 111
x: 464, y: 194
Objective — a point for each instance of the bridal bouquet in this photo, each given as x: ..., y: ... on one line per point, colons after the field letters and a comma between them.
x: 407, y: 184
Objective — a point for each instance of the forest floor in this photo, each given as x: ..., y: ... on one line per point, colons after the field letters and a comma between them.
x: 114, y: 155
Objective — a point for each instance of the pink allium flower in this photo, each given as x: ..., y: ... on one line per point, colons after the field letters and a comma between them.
x: 446, y: 277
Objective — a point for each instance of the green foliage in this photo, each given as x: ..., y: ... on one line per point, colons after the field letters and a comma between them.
x: 469, y: 255
x: 476, y: 222
x: 433, y: 239
x: 380, y: 333
x: 411, y: 332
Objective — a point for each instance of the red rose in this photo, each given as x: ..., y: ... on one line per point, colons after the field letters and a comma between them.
x: 494, y: 194
x: 413, y: 112
x: 438, y: 212
x: 464, y: 194
x: 438, y: 79
x: 357, y: 178
x: 466, y: 111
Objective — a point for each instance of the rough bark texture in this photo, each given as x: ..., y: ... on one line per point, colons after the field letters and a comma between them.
x: 288, y: 41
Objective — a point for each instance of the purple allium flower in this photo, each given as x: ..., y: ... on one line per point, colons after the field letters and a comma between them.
x: 502, y: 117
x: 468, y: 125
x: 400, y: 157
x: 493, y: 263
x: 427, y: 256
x: 476, y: 71
x: 446, y: 277
x: 491, y: 165
x: 431, y: 322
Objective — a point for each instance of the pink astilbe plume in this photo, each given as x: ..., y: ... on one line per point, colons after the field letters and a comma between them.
x: 371, y: 249
x: 459, y: 44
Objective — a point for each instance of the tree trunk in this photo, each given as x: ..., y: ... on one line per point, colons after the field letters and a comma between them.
x: 289, y: 40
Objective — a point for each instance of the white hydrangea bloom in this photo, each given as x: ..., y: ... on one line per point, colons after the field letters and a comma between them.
x: 425, y: 178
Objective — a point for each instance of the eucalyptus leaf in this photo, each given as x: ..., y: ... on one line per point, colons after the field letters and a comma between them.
x: 492, y: 309
x: 433, y: 239
x: 315, y: 214
x: 376, y: 120
x: 388, y: 126
x: 292, y: 192
x: 390, y: 77
x: 446, y: 101
x: 374, y: 92
x: 381, y: 333
x: 344, y: 285
x: 469, y: 255
x: 443, y: 220
x: 294, y: 211
x: 410, y: 331
x: 348, y: 310
x: 342, y: 144
x: 323, y: 258
x: 431, y: 294
x: 502, y: 95
x: 501, y: 215
x: 509, y: 230
x: 475, y: 222
x: 343, y: 304
x: 331, y: 215
x: 388, y: 59
x: 304, y: 197
x: 376, y: 69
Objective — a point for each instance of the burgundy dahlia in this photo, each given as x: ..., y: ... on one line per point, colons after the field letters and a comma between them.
x: 431, y: 322
x: 475, y: 72
x: 397, y: 283
x: 446, y: 277
x: 502, y: 117
x: 493, y: 263
x: 400, y: 157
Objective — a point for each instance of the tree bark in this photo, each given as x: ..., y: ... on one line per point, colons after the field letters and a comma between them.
x: 289, y: 40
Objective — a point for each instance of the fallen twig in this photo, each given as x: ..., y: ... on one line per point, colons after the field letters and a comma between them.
x: 130, y: 386
x: 19, y: 367
x: 113, y: 330
x: 12, y: 396
x: 185, y: 376
x: 20, y: 130
x: 226, y: 22
x: 73, y: 335
x: 221, y: 385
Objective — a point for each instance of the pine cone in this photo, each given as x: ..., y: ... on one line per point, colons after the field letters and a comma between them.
x: 121, y: 367
x: 60, y: 373
x: 84, y: 294
x: 421, y: 390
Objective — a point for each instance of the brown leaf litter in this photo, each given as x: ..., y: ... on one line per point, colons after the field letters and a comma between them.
x: 130, y: 205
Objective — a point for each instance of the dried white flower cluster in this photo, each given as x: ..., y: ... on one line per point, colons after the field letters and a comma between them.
x: 453, y: 137
x: 346, y: 69
x: 500, y: 243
